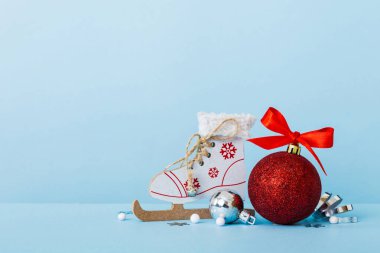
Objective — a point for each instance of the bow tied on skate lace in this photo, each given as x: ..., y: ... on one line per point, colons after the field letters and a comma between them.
x: 276, y: 122
x: 199, y: 148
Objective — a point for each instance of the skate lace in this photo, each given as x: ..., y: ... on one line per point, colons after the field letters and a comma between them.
x: 200, y: 149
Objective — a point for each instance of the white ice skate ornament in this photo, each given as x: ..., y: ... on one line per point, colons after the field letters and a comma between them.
x: 213, y: 163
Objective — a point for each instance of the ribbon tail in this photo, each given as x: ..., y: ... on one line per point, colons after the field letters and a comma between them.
x: 308, y: 147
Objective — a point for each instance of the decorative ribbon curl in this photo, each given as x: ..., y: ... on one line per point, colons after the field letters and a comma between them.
x: 276, y: 122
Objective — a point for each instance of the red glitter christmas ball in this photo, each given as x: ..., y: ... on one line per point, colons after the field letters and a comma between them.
x: 284, y: 188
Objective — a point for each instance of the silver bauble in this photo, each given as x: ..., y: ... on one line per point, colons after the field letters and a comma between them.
x: 226, y: 204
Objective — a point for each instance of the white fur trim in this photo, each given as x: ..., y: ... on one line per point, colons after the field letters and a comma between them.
x: 208, y: 121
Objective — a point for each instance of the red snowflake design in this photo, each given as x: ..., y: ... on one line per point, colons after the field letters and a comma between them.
x: 228, y: 150
x: 195, y: 184
x: 213, y: 172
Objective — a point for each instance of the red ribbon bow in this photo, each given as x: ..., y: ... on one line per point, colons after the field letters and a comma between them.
x: 276, y: 122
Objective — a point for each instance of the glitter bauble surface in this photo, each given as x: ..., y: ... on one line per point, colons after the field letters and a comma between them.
x: 284, y: 188
x: 226, y: 204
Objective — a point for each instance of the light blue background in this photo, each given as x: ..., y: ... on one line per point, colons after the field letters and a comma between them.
x: 93, y: 228
x: 98, y: 96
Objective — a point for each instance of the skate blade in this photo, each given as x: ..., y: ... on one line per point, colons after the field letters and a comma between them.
x: 176, y: 212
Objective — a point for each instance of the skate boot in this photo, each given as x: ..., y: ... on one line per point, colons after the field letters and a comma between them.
x: 214, y: 160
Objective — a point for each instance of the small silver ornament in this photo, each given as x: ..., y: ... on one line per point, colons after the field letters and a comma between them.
x: 229, y: 205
